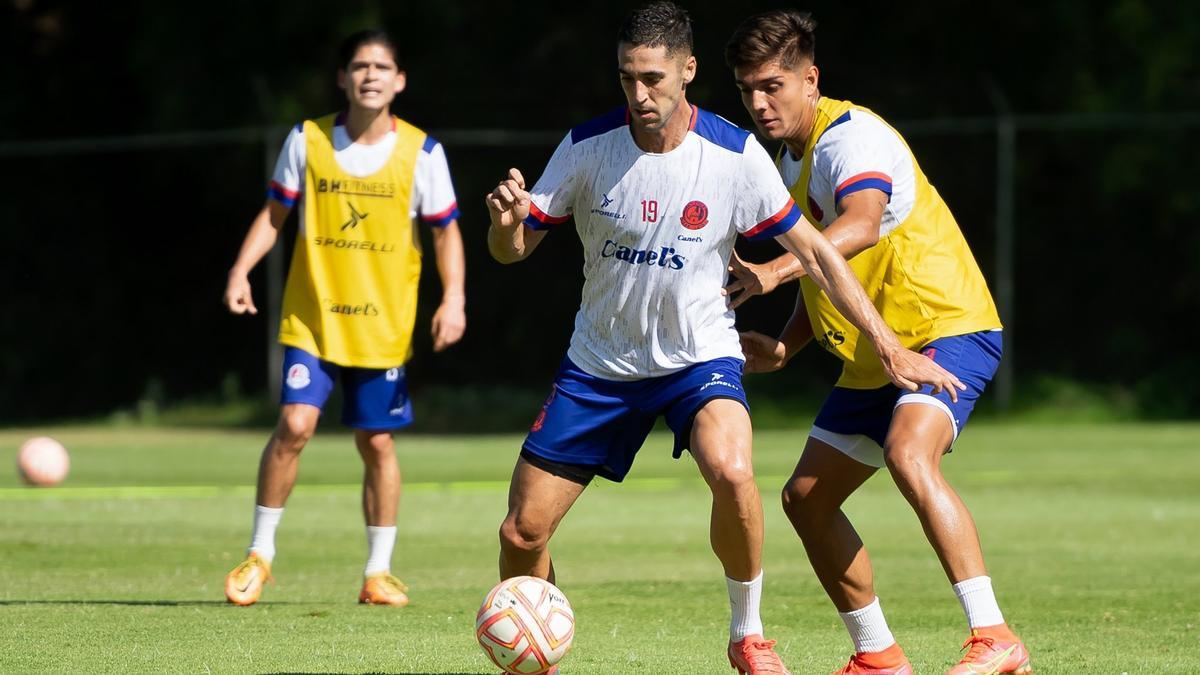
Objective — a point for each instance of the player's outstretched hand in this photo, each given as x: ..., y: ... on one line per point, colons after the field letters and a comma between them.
x: 508, y: 204
x: 910, y: 370
x: 749, y: 280
x: 449, y: 323
x: 763, y: 353
x: 237, y: 296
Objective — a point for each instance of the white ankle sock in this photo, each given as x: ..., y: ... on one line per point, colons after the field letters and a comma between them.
x: 744, y: 599
x: 979, y: 602
x: 380, y: 541
x: 868, y: 628
x: 262, y: 541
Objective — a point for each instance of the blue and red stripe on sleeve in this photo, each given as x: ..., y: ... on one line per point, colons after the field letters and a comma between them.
x: 777, y: 224
x: 540, y: 220
x: 864, y: 181
x: 276, y: 191
x: 442, y: 218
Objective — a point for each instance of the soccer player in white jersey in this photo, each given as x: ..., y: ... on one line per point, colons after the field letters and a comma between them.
x: 659, y: 189
x: 855, y: 178
x: 361, y: 178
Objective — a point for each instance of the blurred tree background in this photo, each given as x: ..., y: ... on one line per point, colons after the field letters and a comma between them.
x: 114, y: 261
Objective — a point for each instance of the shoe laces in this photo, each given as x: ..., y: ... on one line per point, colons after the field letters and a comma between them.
x: 392, y: 583
x: 977, y: 646
x: 250, y: 564
x: 762, y: 657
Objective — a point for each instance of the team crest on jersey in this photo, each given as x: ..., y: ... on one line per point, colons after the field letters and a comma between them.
x: 298, y: 376
x: 695, y: 215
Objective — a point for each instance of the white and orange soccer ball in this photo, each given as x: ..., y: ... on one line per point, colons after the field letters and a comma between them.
x: 525, y: 625
x: 43, y: 461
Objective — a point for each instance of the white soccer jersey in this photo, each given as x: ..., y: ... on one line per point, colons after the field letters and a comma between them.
x: 856, y: 152
x: 657, y: 232
x: 433, y: 194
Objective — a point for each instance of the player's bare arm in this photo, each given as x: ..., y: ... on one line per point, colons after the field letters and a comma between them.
x: 856, y: 229
x: 765, y: 354
x: 509, y: 239
x: 450, y: 319
x: 826, y: 266
x: 264, y: 230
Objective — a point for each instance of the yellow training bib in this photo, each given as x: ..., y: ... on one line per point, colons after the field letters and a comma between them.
x: 921, y: 276
x: 351, y: 294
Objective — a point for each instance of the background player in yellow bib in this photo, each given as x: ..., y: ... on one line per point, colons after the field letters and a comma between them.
x: 362, y: 178
x: 855, y: 178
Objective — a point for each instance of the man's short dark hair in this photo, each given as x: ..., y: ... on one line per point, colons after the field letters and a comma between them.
x: 369, y: 36
x: 785, y: 36
x: 658, y: 24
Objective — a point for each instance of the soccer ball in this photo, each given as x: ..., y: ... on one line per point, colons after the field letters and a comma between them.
x: 43, y: 461
x: 525, y: 625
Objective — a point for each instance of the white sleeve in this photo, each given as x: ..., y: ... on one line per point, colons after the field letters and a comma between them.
x: 288, y: 180
x: 865, y: 154
x: 435, y: 193
x: 553, y: 195
x: 859, y: 155
x: 765, y: 207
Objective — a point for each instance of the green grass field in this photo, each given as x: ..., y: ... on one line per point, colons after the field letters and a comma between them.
x: 1090, y: 533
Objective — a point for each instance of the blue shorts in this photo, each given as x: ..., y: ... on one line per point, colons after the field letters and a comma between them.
x: 856, y: 421
x: 374, y: 399
x: 592, y: 422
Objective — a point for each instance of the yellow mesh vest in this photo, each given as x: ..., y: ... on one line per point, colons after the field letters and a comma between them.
x: 921, y: 276
x: 351, y: 295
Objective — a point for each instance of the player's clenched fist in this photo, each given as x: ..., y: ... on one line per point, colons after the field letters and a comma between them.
x: 237, y: 295
x: 508, y: 204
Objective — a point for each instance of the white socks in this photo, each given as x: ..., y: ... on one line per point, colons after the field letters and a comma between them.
x: 744, y: 599
x: 868, y: 628
x: 870, y: 631
x: 262, y: 542
x: 979, y: 602
x: 380, y: 541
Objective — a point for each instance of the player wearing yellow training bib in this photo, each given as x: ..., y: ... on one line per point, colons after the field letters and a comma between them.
x: 856, y: 179
x: 363, y: 181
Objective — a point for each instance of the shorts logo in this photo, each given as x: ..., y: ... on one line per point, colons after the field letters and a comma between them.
x: 541, y: 418
x: 298, y: 376
x: 718, y: 380
x: 401, y: 406
x: 930, y: 352
x: 695, y: 215
x: 392, y: 374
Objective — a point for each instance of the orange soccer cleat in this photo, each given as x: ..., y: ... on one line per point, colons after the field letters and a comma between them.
x: 383, y: 589
x: 890, y: 661
x: 244, y: 584
x: 753, y: 655
x: 991, y: 655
